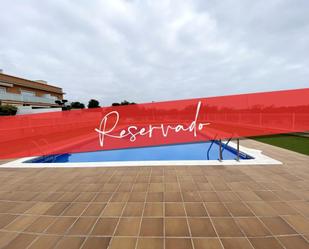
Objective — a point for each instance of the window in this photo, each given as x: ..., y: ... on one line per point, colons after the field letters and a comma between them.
x: 2, y: 90
x: 49, y: 96
x: 27, y: 93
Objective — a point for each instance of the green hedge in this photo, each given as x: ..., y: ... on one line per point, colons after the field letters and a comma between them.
x: 7, y: 110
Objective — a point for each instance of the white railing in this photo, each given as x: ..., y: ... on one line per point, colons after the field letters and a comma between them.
x: 23, y: 98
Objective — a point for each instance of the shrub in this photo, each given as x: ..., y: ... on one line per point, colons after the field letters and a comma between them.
x: 8, y: 110
x: 77, y: 105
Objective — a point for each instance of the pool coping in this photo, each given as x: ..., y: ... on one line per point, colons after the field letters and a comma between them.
x: 258, y: 159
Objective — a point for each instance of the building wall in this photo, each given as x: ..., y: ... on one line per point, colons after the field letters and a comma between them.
x: 40, y: 93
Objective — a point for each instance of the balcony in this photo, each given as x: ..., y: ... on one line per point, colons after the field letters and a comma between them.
x: 26, y: 99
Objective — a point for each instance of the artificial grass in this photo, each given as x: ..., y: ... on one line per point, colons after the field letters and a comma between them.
x: 287, y: 141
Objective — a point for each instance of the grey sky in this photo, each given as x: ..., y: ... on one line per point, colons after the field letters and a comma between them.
x: 156, y: 50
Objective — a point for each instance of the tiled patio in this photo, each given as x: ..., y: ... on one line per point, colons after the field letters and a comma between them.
x: 232, y: 207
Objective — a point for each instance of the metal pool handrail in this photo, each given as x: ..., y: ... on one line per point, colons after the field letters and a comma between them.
x: 210, y: 147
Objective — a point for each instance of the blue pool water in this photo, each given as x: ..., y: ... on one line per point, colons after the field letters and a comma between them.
x: 189, y: 151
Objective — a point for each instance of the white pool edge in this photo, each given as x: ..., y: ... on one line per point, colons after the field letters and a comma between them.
x: 259, y: 159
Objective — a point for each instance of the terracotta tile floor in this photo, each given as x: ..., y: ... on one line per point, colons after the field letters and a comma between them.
x: 230, y: 207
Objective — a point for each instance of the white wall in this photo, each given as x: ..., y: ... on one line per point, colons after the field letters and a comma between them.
x: 28, y: 110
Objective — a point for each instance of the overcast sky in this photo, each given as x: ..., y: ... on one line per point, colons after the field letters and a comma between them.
x: 156, y: 50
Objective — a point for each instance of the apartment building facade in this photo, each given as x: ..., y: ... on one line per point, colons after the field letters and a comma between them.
x: 23, y: 92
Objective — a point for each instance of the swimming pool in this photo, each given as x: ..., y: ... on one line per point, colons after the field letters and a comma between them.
x: 179, y: 152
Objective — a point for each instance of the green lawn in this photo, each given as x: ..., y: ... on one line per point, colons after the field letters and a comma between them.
x: 291, y: 142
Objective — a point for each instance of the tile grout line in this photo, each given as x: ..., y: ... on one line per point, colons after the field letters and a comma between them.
x: 96, y: 195
x: 209, y: 214
x: 142, y: 215
x: 53, y: 223
x: 187, y: 220
x: 273, y: 236
x: 121, y: 215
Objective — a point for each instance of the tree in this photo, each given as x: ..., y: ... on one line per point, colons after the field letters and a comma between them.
x: 93, y: 103
x: 77, y: 105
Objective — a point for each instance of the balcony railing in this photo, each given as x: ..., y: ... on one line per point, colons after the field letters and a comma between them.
x: 24, y: 98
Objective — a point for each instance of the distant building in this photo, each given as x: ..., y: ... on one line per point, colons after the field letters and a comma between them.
x: 22, y: 92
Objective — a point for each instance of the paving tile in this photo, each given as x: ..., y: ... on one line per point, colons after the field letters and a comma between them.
x: 238, y: 209
x: 278, y: 226
x: 301, y: 206
x: 209, y: 197
x: 94, y: 209
x: 20, y: 223
x: 227, y: 227
x: 39, y: 208
x: 220, y: 186
x: 252, y: 227
x: 85, y: 197
x: 153, y: 209
x: 191, y: 196
x: 265, y: 243
x: 137, y: 197
x: 128, y: 227
x: 196, y: 209
x: 82, y: 226
x: 236, y: 243
x: 156, y: 187
x: 154, y: 197
x: 6, y: 238
x: 57, y: 208
x: 105, y: 226
x: 140, y: 187
x: 207, y: 243
x: 283, y: 208
x: 176, y: 227
x: 113, y: 209
x: 171, y: 187
x: 152, y: 227
x: 21, y: 241
x: 201, y: 227
x: 96, y: 243
x: 6, y: 219
x: 150, y: 243
x: 216, y: 209
x: 69, y: 197
x: 262, y: 208
x: 267, y: 195
x: 133, y: 209
x: 61, y: 225
x: 181, y: 243
x: 299, y: 223
x: 120, y: 243
x: 120, y: 197
x: 45, y: 242
x: 227, y: 196
x: 248, y: 196
x: 174, y: 209
x: 21, y: 208
x: 103, y: 197
x: 172, y: 197
x: 75, y: 209
x: 286, y: 195
x: 40, y: 224
x: 293, y: 242
x: 70, y: 242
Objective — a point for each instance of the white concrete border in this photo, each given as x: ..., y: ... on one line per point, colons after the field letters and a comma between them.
x: 258, y: 159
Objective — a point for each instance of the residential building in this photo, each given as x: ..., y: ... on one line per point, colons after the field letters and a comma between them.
x: 23, y: 92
